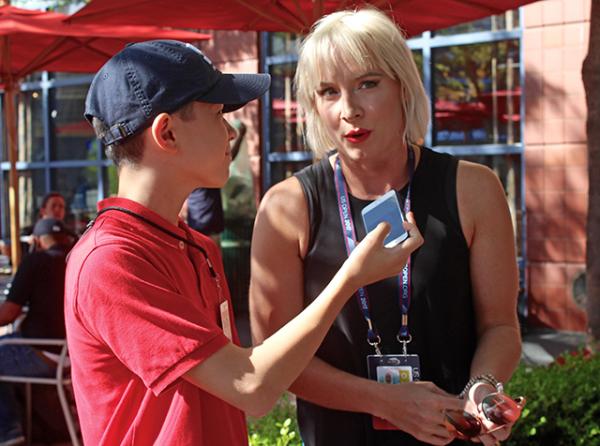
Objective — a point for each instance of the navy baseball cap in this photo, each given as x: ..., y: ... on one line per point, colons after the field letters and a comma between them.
x: 160, y: 76
x: 47, y: 226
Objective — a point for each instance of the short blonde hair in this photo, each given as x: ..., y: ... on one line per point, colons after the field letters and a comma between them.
x: 368, y: 38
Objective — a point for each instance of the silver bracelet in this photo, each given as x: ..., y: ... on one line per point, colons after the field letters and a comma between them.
x: 486, y: 378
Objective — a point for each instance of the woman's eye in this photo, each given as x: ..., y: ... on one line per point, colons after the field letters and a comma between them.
x: 328, y: 91
x: 369, y: 84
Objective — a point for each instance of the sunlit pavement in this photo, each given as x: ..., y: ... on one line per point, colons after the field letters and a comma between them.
x: 542, y: 345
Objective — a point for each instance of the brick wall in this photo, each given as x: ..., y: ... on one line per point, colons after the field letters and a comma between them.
x: 555, y: 44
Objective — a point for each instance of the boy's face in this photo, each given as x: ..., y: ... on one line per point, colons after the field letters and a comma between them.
x: 204, y: 142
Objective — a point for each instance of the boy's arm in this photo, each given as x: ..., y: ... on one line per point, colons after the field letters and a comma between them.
x: 253, y: 378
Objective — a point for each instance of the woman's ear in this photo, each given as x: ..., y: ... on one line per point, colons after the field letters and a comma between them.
x: 162, y: 132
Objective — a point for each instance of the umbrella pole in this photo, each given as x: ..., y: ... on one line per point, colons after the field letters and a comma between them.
x: 13, y: 193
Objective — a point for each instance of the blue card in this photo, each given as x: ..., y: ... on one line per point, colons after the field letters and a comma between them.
x: 386, y: 208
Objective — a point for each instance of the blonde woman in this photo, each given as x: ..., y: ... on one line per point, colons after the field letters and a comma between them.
x: 452, y: 311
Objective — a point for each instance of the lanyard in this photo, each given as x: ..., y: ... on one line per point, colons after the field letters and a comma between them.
x: 350, y: 241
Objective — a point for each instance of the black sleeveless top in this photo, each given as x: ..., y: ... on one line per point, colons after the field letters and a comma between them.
x: 441, y: 315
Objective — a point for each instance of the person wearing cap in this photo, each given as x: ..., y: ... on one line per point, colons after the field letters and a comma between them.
x: 53, y: 206
x: 38, y: 284
x: 154, y: 351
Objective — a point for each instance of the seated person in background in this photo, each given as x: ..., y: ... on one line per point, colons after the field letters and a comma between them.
x: 53, y: 206
x: 39, y: 283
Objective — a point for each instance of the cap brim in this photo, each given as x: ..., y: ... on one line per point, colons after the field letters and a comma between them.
x: 236, y: 90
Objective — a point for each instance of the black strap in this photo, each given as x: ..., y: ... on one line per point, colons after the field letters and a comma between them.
x: 160, y: 228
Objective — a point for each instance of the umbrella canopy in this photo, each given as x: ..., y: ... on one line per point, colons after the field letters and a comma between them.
x: 415, y: 16
x: 37, y: 40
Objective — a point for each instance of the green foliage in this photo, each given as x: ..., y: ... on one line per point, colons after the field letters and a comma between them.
x: 563, y: 407
x: 277, y: 428
x: 563, y: 402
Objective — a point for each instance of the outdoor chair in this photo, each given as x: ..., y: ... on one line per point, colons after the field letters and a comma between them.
x: 60, y: 380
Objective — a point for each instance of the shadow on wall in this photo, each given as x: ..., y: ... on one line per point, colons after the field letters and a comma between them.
x: 556, y: 189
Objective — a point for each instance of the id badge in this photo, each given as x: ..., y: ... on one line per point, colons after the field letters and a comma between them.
x: 392, y: 369
x: 225, y: 319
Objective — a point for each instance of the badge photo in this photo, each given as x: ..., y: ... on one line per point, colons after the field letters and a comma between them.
x: 392, y: 369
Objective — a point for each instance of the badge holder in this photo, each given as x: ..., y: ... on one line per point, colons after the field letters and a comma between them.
x: 393, y: 369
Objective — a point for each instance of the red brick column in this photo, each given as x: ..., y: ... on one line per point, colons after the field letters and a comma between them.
x: 555, y: 43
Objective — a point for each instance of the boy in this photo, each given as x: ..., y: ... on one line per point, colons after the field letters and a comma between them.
x: 155, y: 355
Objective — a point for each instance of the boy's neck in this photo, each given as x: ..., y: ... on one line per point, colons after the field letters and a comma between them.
x: 154, y: 191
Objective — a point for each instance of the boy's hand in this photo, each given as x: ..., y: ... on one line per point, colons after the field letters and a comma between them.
x: 371, y: 261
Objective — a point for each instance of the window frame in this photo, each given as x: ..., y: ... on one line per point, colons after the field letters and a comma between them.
x: 45, y: 86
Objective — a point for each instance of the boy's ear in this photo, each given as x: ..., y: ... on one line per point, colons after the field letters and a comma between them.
x: 162, y: 132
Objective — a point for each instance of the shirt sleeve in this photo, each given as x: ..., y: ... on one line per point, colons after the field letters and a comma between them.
x: 134, y: 308
x: 21, y: 287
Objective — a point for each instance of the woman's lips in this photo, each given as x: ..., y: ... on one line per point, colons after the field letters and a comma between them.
x: 357, y: 136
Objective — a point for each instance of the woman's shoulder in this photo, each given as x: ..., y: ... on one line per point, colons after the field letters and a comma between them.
x: 475, y: 175
x: 481, y: 196
x: 282, y: 195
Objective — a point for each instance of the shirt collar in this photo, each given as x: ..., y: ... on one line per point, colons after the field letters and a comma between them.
x: 143, y: 211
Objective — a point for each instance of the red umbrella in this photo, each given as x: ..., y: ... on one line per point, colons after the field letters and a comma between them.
x: 36, y: 40
x: 415, y: 16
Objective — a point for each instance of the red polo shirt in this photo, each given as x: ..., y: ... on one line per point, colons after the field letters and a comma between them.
x: 142, y: 309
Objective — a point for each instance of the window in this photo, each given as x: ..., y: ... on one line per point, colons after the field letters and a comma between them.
x: 74, y: 138
x: 282, y: 44
x: 30, y: 126
x: 285, y: 151
x: 31, y: 188
x: 507, y: 21
x: 286, y: 128
x: 57, y: 151
x: 477, y: 94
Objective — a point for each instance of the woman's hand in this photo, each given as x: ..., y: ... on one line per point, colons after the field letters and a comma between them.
x: 418, y: 409
x: 491, y: 433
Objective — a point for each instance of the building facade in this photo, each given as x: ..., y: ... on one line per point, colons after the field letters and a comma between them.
x: 505, y: 91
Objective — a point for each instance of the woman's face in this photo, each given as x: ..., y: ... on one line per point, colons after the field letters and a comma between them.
x: 55, y: 208
x: 361, y: 110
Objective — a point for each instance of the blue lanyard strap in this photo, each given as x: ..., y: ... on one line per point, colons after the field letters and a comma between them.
x: 404, y: 282
x: 343, y: 200
x: 350, y: 242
